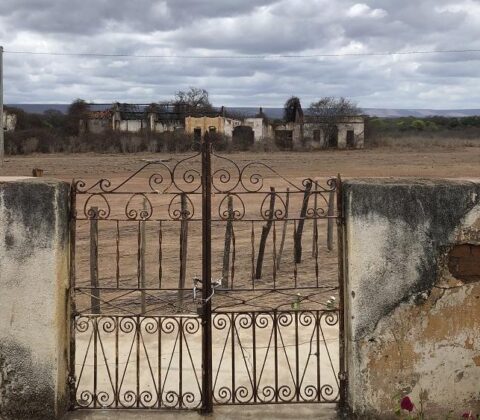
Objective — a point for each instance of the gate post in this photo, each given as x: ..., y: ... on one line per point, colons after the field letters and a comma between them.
x: 342, y: 375
x: 207, y: 384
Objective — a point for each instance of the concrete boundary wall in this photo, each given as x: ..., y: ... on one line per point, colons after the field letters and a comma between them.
x: 412, y: 296
x: 34, y: 312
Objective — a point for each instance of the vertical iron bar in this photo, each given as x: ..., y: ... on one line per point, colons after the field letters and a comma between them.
x: 160, y: 256
x: 297, y: 360
x: 117, y: 393
x: 143, y: 247
x: 95, y: 361
x: 95, y: 293
x: 275, y: 343
x: 317, y: 328
x: 183, y: 251
x: 137, y: 324
x: 252, y: 240
x: 341, y: 316
x: 232, y: 326
x: 207, y: 397
x: 254, y: 344
x: 72, y: 314
x: 180, y: 364
x: 117, y: 255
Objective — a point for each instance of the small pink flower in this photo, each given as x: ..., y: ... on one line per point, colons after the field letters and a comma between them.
x: 407, y: 404
x: 467, y: 415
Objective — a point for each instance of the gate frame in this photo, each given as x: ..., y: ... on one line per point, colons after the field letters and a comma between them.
x: 205, y: 316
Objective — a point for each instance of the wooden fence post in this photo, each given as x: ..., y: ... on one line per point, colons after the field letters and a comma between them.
x: 265, y: 232
x: 301, y: 222
x: 284, y: 230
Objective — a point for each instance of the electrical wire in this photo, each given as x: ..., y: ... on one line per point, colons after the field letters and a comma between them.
x: 254, y: 56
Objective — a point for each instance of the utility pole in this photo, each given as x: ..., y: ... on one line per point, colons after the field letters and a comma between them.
x: 2, y: 145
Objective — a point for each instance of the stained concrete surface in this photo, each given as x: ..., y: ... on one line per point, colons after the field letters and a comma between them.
x: 266, y: 412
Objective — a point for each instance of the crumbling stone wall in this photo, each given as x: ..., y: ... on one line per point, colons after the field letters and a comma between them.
x: 34, y: 311
x: 412, y: 295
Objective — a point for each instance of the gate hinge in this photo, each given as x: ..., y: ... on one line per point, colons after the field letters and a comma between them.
x: 72, y: 380
x: 343, y: 376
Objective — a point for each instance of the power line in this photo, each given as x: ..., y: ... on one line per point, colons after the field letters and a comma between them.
x: 235, y: 57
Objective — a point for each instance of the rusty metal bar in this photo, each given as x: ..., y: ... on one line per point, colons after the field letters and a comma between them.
x: 72, y: 315
x: 207, y: 383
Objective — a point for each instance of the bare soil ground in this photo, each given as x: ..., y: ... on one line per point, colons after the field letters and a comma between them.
x: 163, y: 261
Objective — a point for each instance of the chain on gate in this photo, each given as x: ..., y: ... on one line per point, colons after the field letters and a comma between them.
x: 151, y: 332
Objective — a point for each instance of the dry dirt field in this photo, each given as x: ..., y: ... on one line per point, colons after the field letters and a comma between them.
x: 118, y: 257
x: 447, y: 162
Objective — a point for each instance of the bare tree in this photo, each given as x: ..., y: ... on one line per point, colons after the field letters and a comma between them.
x: 330, y: 111
x: 292, y: 110
x: 77, y: 112
x: 192, y: 100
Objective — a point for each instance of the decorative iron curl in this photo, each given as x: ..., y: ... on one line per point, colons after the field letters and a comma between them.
x: 266, y: 394
x: 331, y: 318
x: 169, y: 325
x: 285, y: 393
x: 101, y: 213
x: 190, y: 176
x: 225, y: 176
x: 191, y: 325
x: 127, y: 325
x: 149, y: 325
x: 188, y: 399
x: 278, y: 213
x: 327, y: 393
x: 243, y: 394
x: 306, y: 319
x: 172, y: 399
x: 244, y: 320
x: 235, y: 214
x: 146, y: 399
x: 107, y: 324
x: 139, y: 214
x: 129, y: 399
x: 82, y: 324
x: 310, y: 393
x: 105, y: 399
x: 176, y: 213
x: 284, y: 319
x: 221, y: 321
x: 224, y: 394
x: 263, y: 320
x: 86, y: 399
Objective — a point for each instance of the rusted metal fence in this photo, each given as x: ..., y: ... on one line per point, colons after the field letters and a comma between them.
x: 193, y: 284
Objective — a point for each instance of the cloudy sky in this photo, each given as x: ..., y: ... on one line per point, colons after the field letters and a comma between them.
x: 233, y: 28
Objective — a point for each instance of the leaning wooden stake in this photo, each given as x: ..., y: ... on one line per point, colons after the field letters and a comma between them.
x: 95, y: 293
x: 331, y: 219
x: 183, y: 250
x: 228, y: 241
x: 301, y: 222
x: 284, y: 230
x: 265, y: 232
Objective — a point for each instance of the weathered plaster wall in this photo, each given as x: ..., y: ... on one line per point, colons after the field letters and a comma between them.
x: 34, y: 246
x: 9, y: 121
x: 412, y: 327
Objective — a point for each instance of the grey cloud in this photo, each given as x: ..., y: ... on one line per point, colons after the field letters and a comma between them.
x: 229, y: 27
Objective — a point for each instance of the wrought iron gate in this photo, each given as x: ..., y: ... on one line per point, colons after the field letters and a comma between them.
x: 206, y: 281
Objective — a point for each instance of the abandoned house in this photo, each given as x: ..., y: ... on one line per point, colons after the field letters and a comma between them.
x: 217, y: 124
x: 9, y: 120
x: 298, y: 131
x: 130, y: 118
